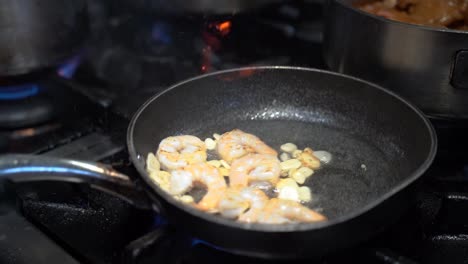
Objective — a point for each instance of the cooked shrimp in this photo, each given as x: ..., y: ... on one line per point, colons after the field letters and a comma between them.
x: 236, y: 143
x: 254, y: 167
x: 183, y: 180
x: 278, y: 211
x: 179, y: 151
x: 237, y: 200
x: 290, y: 210
x: 259, y: 216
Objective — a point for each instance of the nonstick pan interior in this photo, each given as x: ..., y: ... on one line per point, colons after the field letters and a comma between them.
x: 378, y: 141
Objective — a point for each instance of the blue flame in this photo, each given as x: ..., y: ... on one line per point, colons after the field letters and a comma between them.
x: 16, y: 92
x: 160, y: 32
x: 68, y: 69
x: 159, y: 221
x: 196, y: 241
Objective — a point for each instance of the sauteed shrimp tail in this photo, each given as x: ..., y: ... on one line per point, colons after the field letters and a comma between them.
x: 179, y: 151
x: 254, y: 167
x: 236, y: 143
x: 208, y: 176
x: 264, y: 217
x: 292, y: 211
x: 237, y: 200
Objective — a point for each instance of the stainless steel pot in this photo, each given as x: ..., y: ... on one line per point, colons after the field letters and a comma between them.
x: 428, y: 66
x: 35, y: 34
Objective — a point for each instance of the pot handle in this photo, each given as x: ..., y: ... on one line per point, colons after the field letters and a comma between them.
x: 31, y: 168
x: 458, y: 77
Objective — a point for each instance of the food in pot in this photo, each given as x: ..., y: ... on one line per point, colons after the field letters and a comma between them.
x: 436, y: 13
x: 249, y: 183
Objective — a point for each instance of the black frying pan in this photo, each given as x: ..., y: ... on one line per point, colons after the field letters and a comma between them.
x: 379, y: 142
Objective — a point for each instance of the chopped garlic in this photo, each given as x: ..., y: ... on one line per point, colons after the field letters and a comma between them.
x: 284, y: 156
x: 225, y: 164
x: 152, y: 163
x: 296, y: 154
x: 215, y: 163
x: 308, y: 159
x: 324, y: 156
x: 210, y: 144
x: 187, y: 199
x: 290, y: 164
x: 289, y: 193
x: 223, y: 171
x: 305, y: 194
x: 300, y: 175
x: 308, y: 150
x: 286, y: 182
x: 216, y: 136
x: 288, y: 147
x: 291, y: 172
x: 162, y: 179
x: 299, y: 178
x: 306, y: 171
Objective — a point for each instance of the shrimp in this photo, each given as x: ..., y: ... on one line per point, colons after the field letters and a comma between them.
x: 290, y: 210
x: 259, y: 216
x: 236, y: 143
x: 278, y: 211
x: 237, y: 200
x: 182, y: 180
x: 254, y: 167
x: 179, y: 151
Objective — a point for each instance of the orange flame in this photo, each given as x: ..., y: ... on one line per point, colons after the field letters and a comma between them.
x: 224, y: 27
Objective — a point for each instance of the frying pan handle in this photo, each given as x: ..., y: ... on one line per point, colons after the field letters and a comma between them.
x: 31, y: 168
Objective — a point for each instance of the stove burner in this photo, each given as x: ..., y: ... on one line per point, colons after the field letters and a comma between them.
x: 16, y: 92
x: 161, y: 223
x: 24, y: 101
x: 21, y: 102
x: 22, y: 109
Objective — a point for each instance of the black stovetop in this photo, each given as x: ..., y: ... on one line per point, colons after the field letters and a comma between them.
x: 131, y: 57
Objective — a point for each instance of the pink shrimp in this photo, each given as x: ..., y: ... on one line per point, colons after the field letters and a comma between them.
x: 183, y: 180
x: 290, y: 210
x: 236, y: 143
x: 254, y: 167
x: 237, y: 200
x: 179, y: 151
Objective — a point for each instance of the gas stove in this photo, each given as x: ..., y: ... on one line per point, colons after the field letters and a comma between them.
x: 86, y: 105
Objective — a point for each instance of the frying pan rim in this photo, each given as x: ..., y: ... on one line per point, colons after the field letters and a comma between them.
x: 278, y: 228
x: 395, y: 22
